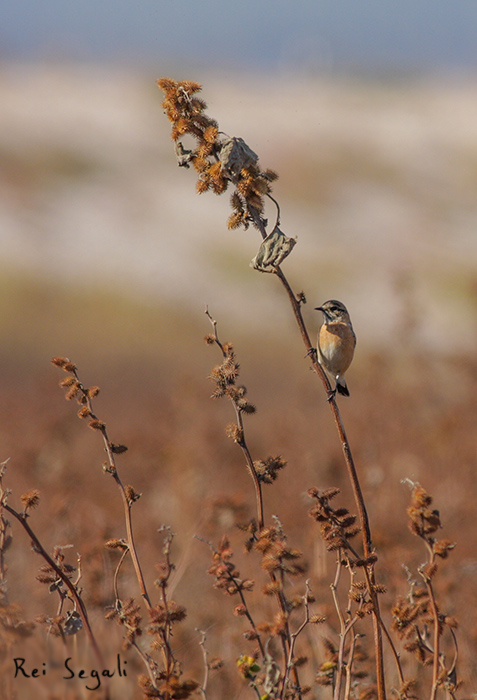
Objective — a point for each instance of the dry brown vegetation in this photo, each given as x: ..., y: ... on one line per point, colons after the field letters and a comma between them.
x: 411, y: 416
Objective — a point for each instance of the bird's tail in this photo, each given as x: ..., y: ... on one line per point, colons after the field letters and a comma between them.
x: 342, y: 386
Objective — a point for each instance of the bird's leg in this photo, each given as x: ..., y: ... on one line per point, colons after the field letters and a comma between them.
x: 312, y: 353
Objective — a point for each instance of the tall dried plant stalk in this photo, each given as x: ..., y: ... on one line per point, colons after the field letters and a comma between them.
x: 222, y: 161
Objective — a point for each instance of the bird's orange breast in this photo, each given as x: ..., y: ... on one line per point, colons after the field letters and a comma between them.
x: 336, y: 343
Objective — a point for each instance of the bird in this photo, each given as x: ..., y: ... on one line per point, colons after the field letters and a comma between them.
x: 336, y: 343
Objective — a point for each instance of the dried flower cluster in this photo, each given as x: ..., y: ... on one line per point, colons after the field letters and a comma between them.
x: 227, y: 576
x: 218, y: 159
x: 128, y: 614
x: 261, y: 666
x: 267, y: 469
x: 337, y: 525
x: 162, y: 680
x: 225, y: 376
x: 417, y: 618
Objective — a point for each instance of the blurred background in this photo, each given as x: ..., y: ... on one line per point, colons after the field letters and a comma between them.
x: 367, y: 111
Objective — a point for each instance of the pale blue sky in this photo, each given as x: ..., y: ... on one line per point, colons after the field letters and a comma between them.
x: 381, y: 35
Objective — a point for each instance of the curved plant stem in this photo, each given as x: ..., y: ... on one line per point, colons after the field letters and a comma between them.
x: 38, y: 547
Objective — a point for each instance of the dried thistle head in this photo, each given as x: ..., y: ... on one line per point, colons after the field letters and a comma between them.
x: 64, y: 363
x: 423, y: 521
x: 117, y: 544
x: 337, y: 525
x: 131, y: 495
x: 267, y: 470
x: 30, y: 499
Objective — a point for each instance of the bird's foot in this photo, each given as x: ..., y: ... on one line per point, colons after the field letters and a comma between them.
x: 312, y: 353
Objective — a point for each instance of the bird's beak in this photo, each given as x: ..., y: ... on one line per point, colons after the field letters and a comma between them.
x: 319, y: 308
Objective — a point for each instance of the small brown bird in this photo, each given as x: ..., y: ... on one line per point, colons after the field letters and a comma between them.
x: 336, y: 343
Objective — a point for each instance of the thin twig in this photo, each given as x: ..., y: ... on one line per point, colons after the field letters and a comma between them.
x: 203, y: 687
x: 112, y: 469
x: 242, y: 443
x: 294, y: 636
x: 39, y: 549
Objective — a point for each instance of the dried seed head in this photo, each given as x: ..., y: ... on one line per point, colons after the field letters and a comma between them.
x: 96, y: 424
x: 234, y: 432
x: 428, y: 571
x: 202, y: 185
x: 116, y: 544
x: 215, y: 663
x: 30, y: 499
x: 73, y: 391
x: 443, y: 547
x: 272, y: 588
x: 60, y: 361
x: 131, y: 495
x: 240, y: 610
x: 317, y: 619
x: 420, y: 497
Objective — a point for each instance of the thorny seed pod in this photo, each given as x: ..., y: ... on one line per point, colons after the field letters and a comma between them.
x: 442, y: 548
x: 240, y: 610
x: 96, y: 424
x: 420, y: 497
x: 428, y: 571
x: 30, y: 499
x: 73, y: 391
x: 317, y: 619
x: 234, y: 432
x: 272, y: 588
x: 131, y: 495
x: 330, y: 493
x: 60, y: 361
x: 116, y: 544
x: 67, y: 381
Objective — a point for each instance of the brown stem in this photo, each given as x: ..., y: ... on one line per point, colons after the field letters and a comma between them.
x: 293, y: 638
x: 126, y: 504
x: 251, y: 468
x: 203, y: 687
x: 358, y: 495
x: 435, y: 654
x: 38, y: 547
x: 116, y: 574
x: 242, y: 443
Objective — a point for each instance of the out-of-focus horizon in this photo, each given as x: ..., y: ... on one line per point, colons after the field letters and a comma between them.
x: 398, y: 36
x: 377, y: 172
